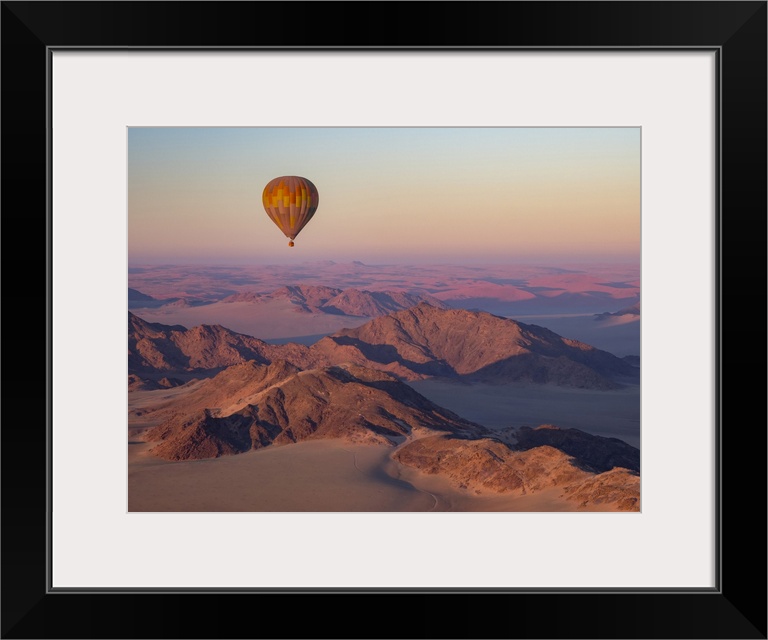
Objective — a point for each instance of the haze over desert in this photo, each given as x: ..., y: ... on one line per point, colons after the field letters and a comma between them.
x: 324, y: 415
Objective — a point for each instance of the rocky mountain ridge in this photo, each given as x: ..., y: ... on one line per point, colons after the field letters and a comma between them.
x: 489, y: 466
x: 306, y: 299
x: 251, y: 406
x: 416, y: 343
x: 352, y: 386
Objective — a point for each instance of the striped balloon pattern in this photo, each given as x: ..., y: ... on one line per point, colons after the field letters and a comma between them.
x: 290, y: 201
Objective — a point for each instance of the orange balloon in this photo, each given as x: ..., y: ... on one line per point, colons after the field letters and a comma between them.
x: 290, y: 202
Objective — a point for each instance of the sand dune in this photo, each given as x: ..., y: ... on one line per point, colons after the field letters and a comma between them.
x: 324, y: 475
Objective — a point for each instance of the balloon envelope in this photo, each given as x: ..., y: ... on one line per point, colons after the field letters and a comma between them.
x: 290, y: 201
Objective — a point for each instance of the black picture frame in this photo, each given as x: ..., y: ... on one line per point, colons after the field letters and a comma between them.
x: 736, y: 608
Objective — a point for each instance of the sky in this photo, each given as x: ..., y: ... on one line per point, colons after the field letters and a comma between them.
x: 387, y: 195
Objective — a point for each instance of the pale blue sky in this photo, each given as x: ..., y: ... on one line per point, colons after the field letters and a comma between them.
x: 387, y: 194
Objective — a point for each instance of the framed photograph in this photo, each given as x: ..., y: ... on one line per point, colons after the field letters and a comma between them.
x: 452, y: 390
x: 483, y: 358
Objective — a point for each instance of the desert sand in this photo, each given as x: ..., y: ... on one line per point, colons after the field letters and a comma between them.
x: 321, y: 475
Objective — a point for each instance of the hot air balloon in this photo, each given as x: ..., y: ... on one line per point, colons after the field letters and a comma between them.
x: 290, y: 201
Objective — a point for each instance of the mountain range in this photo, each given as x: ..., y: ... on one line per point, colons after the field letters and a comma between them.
x: 306, y: 299
x: 487, y: 465
x: 247, y: 394
x: 251, y: 406
x: 416, y: 343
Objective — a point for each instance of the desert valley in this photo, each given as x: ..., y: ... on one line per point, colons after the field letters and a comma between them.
x: 353, y: 387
